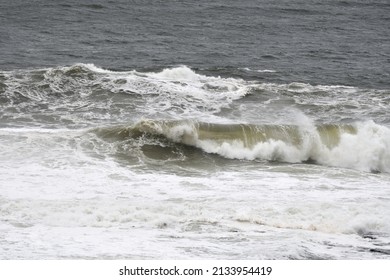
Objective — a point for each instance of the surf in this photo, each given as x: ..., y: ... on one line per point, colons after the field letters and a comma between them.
x: 363, y: 145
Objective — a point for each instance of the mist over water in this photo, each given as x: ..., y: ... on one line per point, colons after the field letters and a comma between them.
x: 224, y: 130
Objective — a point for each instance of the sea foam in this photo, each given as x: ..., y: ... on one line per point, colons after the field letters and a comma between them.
x: 363, y: 146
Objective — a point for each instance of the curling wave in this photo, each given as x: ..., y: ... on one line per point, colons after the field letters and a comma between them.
x: 363, y: 146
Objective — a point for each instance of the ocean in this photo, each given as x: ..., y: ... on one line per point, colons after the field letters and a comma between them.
x: 195, y: 129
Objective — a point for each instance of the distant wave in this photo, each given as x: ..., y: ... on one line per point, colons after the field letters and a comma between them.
x: 258, y: 70
x: 93, y: 93
x: 86, y: 89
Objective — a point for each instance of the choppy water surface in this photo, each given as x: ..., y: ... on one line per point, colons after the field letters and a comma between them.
x: 194, y: 130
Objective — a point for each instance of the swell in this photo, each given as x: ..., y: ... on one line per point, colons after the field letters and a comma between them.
x: 362, y: 146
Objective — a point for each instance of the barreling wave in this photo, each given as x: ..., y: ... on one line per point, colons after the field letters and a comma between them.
x: 362, y: 146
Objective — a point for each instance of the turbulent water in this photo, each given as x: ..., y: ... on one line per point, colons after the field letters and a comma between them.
x: 195, y: 130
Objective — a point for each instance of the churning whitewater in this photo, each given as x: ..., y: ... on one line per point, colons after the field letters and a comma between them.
x: 178, y: 163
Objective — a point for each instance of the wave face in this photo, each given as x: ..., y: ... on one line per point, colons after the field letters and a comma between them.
x: 362, y: 146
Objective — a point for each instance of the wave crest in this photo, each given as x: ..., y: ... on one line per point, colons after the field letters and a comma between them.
x: 362, y: 146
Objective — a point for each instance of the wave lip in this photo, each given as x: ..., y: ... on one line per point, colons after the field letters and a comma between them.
x: 361, y: 146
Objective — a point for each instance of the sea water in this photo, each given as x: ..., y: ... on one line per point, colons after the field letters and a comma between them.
x: 183, y: 130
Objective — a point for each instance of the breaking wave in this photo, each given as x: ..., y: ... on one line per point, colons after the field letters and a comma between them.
x: 363, y: 146
x: 91, y: 93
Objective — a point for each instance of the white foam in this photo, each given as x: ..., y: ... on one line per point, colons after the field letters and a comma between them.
x: 258, y: 70
x: 92, y: 67
x: 367, y: 150
x: 171, y: 93
x: 181, y: 73
x: 58, y: 196
x: 180, y: 92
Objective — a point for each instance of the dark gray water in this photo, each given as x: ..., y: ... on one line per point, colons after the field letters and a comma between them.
x: 194, y: 129
x: 318, y: 42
